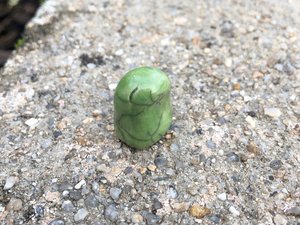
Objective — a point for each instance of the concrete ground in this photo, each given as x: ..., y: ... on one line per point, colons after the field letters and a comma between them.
x: 231, y: 155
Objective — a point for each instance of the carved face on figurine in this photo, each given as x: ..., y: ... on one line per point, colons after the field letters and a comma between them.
x: 143, y: 111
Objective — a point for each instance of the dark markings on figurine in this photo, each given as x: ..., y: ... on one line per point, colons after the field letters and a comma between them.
x: 158, y: 100
x: 153, y: 102
x: 131, y: 94
x: 158, y: 126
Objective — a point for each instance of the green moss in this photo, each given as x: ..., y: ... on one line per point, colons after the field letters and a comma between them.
x: 20, y: 42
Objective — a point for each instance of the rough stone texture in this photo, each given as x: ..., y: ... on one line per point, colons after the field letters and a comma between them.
x: 227, y: 61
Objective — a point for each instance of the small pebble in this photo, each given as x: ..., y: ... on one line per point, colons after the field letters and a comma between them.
x: 65, y: 193
x: 81, y: 215
x: 32, y: 123
x: 80, y: 184
x: 102, y: 168
x: 227, y: 28
x: 180, y: 207
x: 160, y: 162
x: 233, y: 157
x: 57, y: 133
x: 222, y: 196
x: 272, y: 112
x: 210, y: 144
x: 251, y: 121
x: 88, y: 120
x: 75, y: 195
x: 280, y: 220
x: 39, y: 211
x: 236, y: 86
x: 234, y: 211
x: 91, y: 65
x: 150, y: 218
x: 67, y: 206
x: 137, y: 218
x: 119, y: 52
x: 174, y: 147
x: 57, y: 222
x: 151, y: 167
x: 10, y: 182
x: 180, y: 20
x: 128, y: 170
x: 288, y: 68
x: 109, y: 128
x: 99, y: 223
x: 170, y: 172
x: 192, y: 190
x: 257, y: 75
x: 143, y: 170
x: 228, y: 62
x: 112, y: 86
x: 172, y: 192
x: 96, y: 113
x: 252, y: 147
x: 278, y: 67
x: 199, y: 211
x: 115, y: 193
x: 111, y: 213
x: 294, y: 211
x: 95, y: 187
x: 157, y: 204
x: 276, y: 164
x: 215, y: 218
x: 168, y: 136
x: 91, y: 201
x: 46, y: 143
x: 14, y: 204
x: 247, y: 98
x: 52, y: 196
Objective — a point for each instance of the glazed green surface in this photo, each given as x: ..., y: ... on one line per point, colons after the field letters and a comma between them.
x: 142, y: 107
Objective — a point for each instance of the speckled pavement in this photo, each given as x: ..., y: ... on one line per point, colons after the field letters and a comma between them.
x: 231, y: 155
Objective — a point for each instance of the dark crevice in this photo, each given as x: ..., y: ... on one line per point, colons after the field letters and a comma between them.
x: 12, y: 24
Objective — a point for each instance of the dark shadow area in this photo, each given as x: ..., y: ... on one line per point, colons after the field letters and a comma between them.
x: 13, y: 20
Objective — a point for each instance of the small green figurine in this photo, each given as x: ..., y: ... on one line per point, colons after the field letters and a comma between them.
x: 143, y: 111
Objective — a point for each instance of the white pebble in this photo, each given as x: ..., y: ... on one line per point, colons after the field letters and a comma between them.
x: 272, y: 112
x: 65, y: 193
x: 80, y: 184
x: 221, y: 152
x: 251, y: 121
x: 222, y: 196
x: 228, y: 62
x: 165, y: 42
x: 247, y: 98
x: 234, y: 211
x: 10, y: 182
x: 112, y: 86
x: 119, y: 52
x: 91, y: 65
x: 32, y: 123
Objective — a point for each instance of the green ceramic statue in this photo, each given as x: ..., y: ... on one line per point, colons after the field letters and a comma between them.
x: 143, y: 111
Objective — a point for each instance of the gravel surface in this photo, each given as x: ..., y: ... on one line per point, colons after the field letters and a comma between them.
x: 231, y: 155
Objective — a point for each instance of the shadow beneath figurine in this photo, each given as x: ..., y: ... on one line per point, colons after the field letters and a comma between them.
x: 134, y: 150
